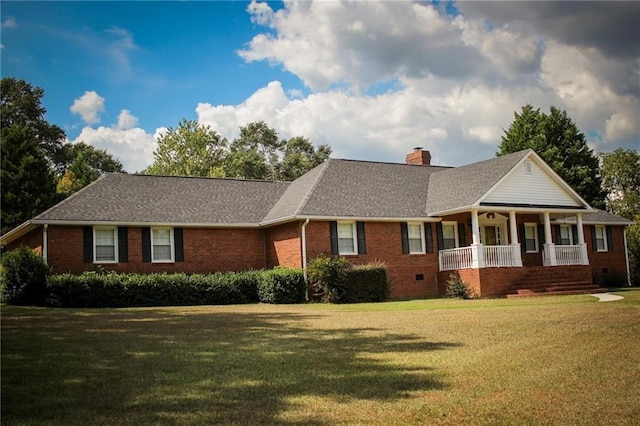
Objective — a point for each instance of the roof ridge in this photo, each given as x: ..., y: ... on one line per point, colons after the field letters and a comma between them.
x: 209, y: 178
x: 303, y: 202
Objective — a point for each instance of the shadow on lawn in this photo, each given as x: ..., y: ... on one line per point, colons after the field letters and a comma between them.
x: 194, y: 366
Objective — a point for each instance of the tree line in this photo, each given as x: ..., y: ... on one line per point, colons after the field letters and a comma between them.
x: 39, y: 168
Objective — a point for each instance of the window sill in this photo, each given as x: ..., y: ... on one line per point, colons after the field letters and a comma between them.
x: 163, y: 261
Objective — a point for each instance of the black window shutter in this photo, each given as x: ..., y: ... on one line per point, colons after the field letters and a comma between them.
x: 461, y: 235
x: 440, y: 236
x: 574, y: 233
x: 542, y: 239
x: 609, y: 231
x: 146, y: 244
x: 87, y: 244
x: 428, y: 237
x: 557, y: 228
x: 123, y: 244
x: 593, y: 238
x: 404, y: 231
x: 333, y: 232
x: 523, y: 238
x: 362, y: 241
x: 178, y: 243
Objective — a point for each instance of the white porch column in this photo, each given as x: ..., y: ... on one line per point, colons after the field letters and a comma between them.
x: 583, y: 246
x: 549, y: 247
x: 515, y: 244
x: 477, y: 253
x: 475, y: 228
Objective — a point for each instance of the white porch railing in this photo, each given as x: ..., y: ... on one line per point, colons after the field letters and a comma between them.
x: 457, y: 258
x: 501, y: 256
x: 565, y: 255
x: 480, y: 256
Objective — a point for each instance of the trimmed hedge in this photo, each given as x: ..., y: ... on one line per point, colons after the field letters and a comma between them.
x: 334, y: 280
x: 102, y: 290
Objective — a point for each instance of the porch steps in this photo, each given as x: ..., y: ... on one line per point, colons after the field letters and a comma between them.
x: 552, y: 282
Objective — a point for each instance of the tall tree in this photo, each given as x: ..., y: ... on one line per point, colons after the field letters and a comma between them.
x: 299, y: 157
x: 621, y: 181
x: 81, y: 164
x: 28, y: 184
x: 20, y: 105
x: 257, y: 140
x: 190, y: 149
x: 556, y: 138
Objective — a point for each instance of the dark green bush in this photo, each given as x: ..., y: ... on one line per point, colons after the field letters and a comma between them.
x: 327, y: 276
x: 97, y: 290
x: 24, y: 277
x: 281, y: 285
x: 335, y: 280
x: 456, y: 288
x: 366, y: 283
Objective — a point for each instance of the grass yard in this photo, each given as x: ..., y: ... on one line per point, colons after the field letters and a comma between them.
x: 550, y: 360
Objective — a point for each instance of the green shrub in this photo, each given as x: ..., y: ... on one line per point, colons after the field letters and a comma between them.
x: 94, y: 290
x: 335, y: 280
x: 457, y: 288
x: 327, y: 276
x: 366, y: 283
x: 281, y: 285
x: 24, y: 277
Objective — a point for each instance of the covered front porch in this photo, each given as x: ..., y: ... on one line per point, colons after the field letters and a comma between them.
x: 492, y: 246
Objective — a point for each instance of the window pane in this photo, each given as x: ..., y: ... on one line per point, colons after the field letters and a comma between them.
x: 105, y: 253
x: 530, y: 238
x: 161, y: 252
x: 345, y: 245
x: 449, y: 232
x: 161, y: 237
x: 565, y: 235
x: 415, y: 231
x: 415, y: 246
x: 600, y: 239
x: 345, y: 230
x: 105, y: 245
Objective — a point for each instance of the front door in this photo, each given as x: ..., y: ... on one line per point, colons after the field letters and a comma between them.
x: 492, y: 235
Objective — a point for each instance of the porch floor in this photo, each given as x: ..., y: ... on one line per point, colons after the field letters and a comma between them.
x: 550, y: 281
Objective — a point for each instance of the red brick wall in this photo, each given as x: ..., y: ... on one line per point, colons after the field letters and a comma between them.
x: 32, y: 239
x: 284, y: 245
x: 384, y: 244
x: 205, y: 250
x: 612, y: 262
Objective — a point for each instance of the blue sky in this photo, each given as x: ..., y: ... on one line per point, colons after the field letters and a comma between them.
x: 372, y: 79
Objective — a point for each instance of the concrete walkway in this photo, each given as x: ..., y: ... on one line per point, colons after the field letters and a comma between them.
x: 607, y: 297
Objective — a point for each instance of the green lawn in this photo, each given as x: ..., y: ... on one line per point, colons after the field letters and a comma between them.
x: 550, y: 360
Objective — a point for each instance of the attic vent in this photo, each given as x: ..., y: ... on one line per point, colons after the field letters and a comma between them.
x: 528, y: 168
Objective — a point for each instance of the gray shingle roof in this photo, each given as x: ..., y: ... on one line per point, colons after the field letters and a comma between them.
x: 350, y: 188
x: 599, y: 217
x: 462, y: 186
x: 127, y: 198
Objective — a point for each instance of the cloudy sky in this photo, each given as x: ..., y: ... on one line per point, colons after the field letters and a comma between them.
x: 373, y: 79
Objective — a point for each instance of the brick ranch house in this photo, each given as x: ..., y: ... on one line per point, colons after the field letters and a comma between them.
x: 508, y: 225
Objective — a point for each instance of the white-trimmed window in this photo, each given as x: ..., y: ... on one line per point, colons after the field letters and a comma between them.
x: 415, y: 234
x: 162, y: 245
x: 565, y: 237
x: 347, y: 238
x: 531, y: 237
x: 449, y: 235
x: 601, y: 238
x: 105, y: 245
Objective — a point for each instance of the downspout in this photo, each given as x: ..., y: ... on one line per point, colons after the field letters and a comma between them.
x: 626, y: 256
x: 304, y: 256
x: 45, y: 238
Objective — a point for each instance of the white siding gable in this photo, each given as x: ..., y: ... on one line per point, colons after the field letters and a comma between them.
x: 528, y: 183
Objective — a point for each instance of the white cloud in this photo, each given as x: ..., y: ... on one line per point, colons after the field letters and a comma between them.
x: 10, y: 22
x: 126, y: 120
x: 88, y: 106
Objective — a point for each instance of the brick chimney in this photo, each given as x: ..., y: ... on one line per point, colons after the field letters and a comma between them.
x: 419, y: 157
